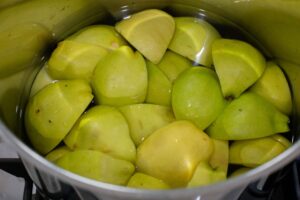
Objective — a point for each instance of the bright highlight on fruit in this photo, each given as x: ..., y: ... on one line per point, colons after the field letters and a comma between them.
x: 193, y: 39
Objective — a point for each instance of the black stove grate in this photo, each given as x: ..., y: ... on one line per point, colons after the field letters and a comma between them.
x: 282, y: 185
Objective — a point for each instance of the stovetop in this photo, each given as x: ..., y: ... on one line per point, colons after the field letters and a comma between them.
x: 15, y: 184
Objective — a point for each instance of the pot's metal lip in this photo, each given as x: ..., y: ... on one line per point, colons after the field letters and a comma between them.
x: 28, y: 154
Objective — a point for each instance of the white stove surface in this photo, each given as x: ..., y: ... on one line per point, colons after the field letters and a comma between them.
x: 11, y: 187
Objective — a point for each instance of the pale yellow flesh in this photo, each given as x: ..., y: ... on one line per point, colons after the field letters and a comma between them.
x: 220, y: 156
x: 57, y: 153
x: 252, y: 153
x: 172, y: 153
x: 42, y: 79
x: 248, y: 117
x: 237, y: 64
x: 97, y: 165
x: 100, y: 35
x: 103, y: 128
x: 240, y: 171
x: 73, y: 60
x: 120, y: 78
x: 149, y: 31
x: 159, y: 86
x: 62, y: 101
x: 193, y: 39
x: 205, y: 175
x: 274, y: 87
x: 144, y: 119
x: 173, y: 64
x: 144, y: 181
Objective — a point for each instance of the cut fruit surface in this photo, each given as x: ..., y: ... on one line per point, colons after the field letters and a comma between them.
x: 252, y: 153
x: 172, y: 152
x: 140, y: 180
x: 101, y: 35
x: 102, y: 128
x: 237, y: 64
x: 149, y: 31
x: 173, y: 64
x: 144, y: 119
x: 73, y: 60
x: 159, y: 86
x: 62, y: 101
x: 97, y: 165
x: 193, y: 39
x: 247, y: 117
x: 120, y: 78
x: 274, y: 87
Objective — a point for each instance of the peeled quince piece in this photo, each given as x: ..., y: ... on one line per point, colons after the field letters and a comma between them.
x: 247, y: 117
x: 173, y: 64
x: 52, y: 112
x: 193, y: 38
x: 57, y: 153
x: 97, y: 165
x: 197, y: 96
x: 149, y: 31
x: 173, y: 152
x: 237, y: 64
x: 255, y: 152
x: 120, y: 78
x: 274, y: 87
x: 159, y: 86
x: 102, y: 128
x: 73, y: 60
x: 205, y: 175
x: 144, y: 119
x: 144, y: 181
x: 41, y: 80
x: 100, y: 35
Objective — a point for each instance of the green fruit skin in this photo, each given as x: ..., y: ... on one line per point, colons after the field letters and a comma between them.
x: 238, y: 65
x: 274, y: 87
x: 144, y: 119
x: 51, y: 113
x: 255, y: 152
x: 97, y: 165
x: 248, y: 117
x: 172, y: 153
x: 173, y: 64
x: 159, y: 86
x: 144, y: 181
x: 72, y: 60
x: 149, y: 31
x: 100, y: 35
x: 197, y: 97
x: 205, y: 175
x: 120, y: 78
x: 57, y: 153
x: 103, y: 128
x: 193, y: 38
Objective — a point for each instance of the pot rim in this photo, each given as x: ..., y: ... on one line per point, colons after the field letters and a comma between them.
x: 26, y: 153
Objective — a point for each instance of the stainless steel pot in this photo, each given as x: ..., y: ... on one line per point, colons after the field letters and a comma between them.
x: 272, y: 25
